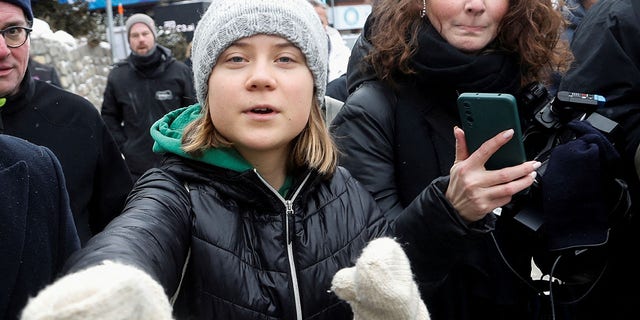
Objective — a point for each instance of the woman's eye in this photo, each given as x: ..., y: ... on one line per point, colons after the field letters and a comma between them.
x: 236, y: 59
x: 285, y: 59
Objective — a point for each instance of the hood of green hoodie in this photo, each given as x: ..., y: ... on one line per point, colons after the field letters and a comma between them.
x: 167, y: 134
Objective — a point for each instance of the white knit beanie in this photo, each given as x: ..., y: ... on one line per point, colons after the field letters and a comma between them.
x: 110, y: 291
x: 227, y: 21
x: 141, y: 18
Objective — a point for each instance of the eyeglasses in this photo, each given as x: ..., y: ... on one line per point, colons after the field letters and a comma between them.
x: 15, y: 37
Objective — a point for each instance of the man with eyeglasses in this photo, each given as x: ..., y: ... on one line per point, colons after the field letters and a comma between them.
x: 97, y: 178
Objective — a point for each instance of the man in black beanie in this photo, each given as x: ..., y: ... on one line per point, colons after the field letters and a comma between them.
x: 97, y: 177
x: 140, y: 90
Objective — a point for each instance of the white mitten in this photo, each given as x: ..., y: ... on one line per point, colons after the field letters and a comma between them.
x: 381, y: 285
x: 108, y: 291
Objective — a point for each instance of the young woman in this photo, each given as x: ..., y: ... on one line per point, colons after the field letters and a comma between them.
x: 396, y: 136
x: 248, y: 217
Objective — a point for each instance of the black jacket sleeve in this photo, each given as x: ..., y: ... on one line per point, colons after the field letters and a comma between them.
x: 152, y: 233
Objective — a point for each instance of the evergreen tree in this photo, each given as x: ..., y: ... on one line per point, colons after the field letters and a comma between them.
x: 73, y: 17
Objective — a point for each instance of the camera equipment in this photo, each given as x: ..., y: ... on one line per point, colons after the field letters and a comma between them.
x: 548, y: 115
x: 553, y: 112
x: 544, y: 124
x: 569, y: 238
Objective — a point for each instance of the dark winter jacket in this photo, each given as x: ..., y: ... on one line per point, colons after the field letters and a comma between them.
x: 139, y: 91
x: 607, y: 33
x: 607, y: 62
x: 399, y: 144
x: 254, y: 253
x: 37, y: 232
x: 96, y: 176
x: 43, y: 72
x: 574, y: 12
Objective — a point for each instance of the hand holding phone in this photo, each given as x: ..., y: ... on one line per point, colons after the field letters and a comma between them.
x: 484, y: 115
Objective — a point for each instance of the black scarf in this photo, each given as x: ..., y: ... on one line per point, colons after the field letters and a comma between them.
x: 439, y: 64
x: 149, y: 64
x: 427, y: 102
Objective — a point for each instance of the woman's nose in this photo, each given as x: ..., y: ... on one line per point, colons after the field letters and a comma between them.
x: 474, y: 6
x: 261, y: 77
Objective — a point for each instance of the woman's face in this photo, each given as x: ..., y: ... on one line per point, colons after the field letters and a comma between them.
x: 260, y: 95
x: 469, y: 25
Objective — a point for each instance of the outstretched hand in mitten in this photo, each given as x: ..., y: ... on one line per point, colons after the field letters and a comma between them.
x: 381, y: 285
x: 108, y: 291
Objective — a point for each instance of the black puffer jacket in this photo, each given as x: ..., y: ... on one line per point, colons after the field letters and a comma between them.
x: 250, y: 256
x: 399, y: 144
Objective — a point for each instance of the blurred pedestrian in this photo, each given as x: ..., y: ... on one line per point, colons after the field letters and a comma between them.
x: 97, y: 177
x: 44, y: 72
x: 149, y: 83
x: 339, y: 52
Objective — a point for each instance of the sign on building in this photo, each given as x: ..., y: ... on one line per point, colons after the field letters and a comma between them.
x: 349, y: 17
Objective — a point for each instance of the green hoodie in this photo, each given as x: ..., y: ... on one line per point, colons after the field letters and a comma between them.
x: 167, y: 134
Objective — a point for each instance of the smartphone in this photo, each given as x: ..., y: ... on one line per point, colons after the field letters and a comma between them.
x: 484, y: 115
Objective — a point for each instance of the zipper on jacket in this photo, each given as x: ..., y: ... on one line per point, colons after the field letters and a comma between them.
x: 289, y: 217
x: 290, y: 230
x: 290, y: 227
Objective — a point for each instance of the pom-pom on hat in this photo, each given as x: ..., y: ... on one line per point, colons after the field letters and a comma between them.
x: 141, y: 18
x: 25, y: 5
x: 227, y: 21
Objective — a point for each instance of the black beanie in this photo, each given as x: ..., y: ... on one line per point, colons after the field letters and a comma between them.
x: 25, y: 5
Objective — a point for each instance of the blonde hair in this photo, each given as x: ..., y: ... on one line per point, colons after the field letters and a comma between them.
x: 313, y: 147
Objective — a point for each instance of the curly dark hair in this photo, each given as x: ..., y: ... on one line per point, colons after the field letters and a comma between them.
x: 530, y: 28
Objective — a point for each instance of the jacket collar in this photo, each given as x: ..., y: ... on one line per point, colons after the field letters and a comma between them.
x: 24, y: 94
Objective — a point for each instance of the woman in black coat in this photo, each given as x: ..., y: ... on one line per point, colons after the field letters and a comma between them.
x: 398, y: 133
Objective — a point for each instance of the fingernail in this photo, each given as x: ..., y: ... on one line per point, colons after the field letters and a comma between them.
x: 536, y: 165
x: 507, y: 134
x: 533, y: 174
